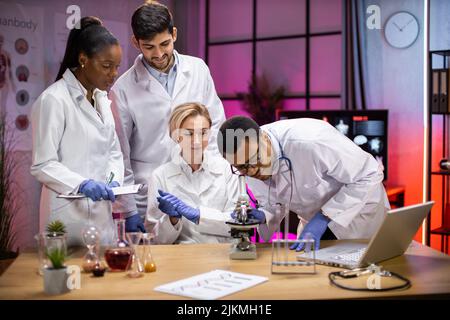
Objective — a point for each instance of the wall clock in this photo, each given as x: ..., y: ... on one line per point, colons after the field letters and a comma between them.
x: 401, y: 30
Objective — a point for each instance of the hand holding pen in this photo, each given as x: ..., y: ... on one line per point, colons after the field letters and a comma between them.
x: 110, y: 183
x: 98, y: 190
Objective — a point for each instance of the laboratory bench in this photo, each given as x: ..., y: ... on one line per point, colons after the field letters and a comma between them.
x: 428, y: 270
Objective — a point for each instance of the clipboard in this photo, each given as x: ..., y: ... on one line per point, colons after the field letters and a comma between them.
x: 132, y: 189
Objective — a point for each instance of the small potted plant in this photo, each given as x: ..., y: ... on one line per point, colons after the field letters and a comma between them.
x: 55, y: 275
x: 56, y: 227
x: 262, y: 100
x: 54, y: 233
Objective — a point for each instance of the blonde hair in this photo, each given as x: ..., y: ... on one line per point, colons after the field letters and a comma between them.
x: 184, y: 111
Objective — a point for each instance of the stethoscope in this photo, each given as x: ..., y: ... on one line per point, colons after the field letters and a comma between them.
x: 282, y: 159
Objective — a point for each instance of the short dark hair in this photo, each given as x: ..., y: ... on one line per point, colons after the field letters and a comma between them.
x: 150, y: 19
x: 91, y: 38
x: 232, y: 125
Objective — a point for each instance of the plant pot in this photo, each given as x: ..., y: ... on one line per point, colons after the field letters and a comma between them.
x: 55, y: 281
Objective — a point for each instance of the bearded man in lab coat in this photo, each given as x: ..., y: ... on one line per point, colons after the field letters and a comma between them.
x: 333, y: 186
x: 143, y: 99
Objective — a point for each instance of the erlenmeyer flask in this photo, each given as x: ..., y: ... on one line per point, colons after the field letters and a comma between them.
x: 149, y: 264
x: 118, y: 256
x: 137, y: 269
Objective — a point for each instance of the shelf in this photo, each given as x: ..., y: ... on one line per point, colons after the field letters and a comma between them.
x: 441, y: 173
x: 441, y: 231
x: 441, y: 52
x: 444, y: 230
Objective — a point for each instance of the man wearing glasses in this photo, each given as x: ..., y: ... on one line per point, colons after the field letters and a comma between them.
x: 333, y: 186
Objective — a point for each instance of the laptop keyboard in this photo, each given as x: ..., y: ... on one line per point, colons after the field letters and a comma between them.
x: 351, y: 256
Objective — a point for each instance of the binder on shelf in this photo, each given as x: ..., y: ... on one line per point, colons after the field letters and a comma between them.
x: 435, y: 86
x: 443, y: 92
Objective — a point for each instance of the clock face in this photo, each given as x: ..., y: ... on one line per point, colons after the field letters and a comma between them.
x: 401, y: 30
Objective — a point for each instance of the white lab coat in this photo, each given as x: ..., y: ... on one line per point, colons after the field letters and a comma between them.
x: 330, y: 173
x: 71, y: 144
x: 213, y: 189
x: 142, y: 107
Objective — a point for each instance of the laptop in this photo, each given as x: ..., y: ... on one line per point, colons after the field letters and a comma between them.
x: 390, y: 240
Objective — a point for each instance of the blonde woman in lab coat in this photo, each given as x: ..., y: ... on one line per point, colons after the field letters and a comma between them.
x: 75, y: 147
x: 192, y: 196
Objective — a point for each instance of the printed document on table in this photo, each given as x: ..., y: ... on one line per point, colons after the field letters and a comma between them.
x: 117, y: 191
x: 211, y: 285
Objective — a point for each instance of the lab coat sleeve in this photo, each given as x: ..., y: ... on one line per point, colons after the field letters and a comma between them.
x: 212, y: 221
x: 215, y: 109
x: 115, y: 164
x: 356, y: 169
x: 124, y: 127
x: 165, y: 232
x: 48, y: 120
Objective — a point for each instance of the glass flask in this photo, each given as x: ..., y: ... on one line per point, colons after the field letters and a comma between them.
x: 54, y: 242
x: 47, y: 241
x: 43, y: 260
x: 149, y: 264
x: 91, y: 238
x: 118, y: 257
x: 137, y: 269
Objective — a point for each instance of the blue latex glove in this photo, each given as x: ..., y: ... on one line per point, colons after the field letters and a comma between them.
x: 314, y: 229
x: 166, y: 206
x: 186, y: 211
x: 96, y: 190
x: 256, y: 214
x: 134, y: 223
x: 114, y: 184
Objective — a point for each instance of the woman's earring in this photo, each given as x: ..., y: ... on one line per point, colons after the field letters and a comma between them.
x: 82, y: 65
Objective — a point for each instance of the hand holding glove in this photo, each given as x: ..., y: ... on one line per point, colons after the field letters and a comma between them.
x: 96, y: 190
x: 313, y: 230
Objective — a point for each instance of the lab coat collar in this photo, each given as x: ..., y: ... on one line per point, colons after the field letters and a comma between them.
x: 142, y: 74
x: 76, y: 89
x: 181, y: 171
x: 181, y: 167
x: 184, y: 69
x: 79, y: 92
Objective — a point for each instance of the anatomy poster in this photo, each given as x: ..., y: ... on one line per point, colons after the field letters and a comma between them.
x: 21, y: 68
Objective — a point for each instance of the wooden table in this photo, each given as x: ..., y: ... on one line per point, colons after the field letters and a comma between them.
x: 428, y: 270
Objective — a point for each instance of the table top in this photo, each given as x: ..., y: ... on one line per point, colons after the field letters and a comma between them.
x: 428, y: 270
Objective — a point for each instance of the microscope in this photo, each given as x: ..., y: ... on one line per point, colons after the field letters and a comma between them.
x: 242, y: 227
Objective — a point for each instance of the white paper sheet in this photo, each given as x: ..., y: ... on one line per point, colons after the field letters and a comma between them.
x: 117, y: 191
x: 211, y: 285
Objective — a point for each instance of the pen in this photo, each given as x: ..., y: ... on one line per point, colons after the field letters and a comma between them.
x: 110, y: 178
